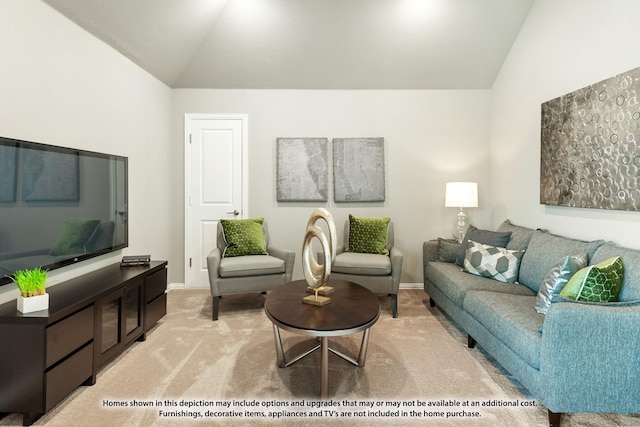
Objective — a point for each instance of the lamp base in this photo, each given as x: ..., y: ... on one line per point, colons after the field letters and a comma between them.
x: 462, y: 225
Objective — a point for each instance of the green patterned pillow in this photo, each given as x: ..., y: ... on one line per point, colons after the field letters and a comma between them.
x: 492, y: 262
x: 243, y: 237
x: 596, y: 283
x: 368, y: 235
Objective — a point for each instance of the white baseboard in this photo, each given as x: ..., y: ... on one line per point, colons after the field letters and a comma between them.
x: 412, y: 285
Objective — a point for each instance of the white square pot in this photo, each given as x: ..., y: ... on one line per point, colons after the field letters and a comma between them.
x: 30, y: 304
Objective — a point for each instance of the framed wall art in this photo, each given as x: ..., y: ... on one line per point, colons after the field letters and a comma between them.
x: 589, y: 146
x: 358, y: 169
x: 302, y: 168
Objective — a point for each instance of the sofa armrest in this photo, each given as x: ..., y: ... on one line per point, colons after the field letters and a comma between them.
x: 287, y: 256
x: 430, y: 251
x: 589, y: 358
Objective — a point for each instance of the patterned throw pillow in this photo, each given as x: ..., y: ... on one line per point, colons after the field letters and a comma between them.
x: 368, y: 235
x: 489, y: 261
x: 596, y: 283
x: 556, y: 278
x: 243, y: 237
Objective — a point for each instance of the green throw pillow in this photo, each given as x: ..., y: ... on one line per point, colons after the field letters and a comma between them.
x: 596, y: 283
x: 243, y: 237
x: 74, y: 236
x: 368, y: 235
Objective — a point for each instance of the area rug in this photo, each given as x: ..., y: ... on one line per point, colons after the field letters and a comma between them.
x: 191, y: 370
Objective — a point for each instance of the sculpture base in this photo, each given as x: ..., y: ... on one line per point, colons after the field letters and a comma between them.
x: 321, y: 291
x: 313, y: 300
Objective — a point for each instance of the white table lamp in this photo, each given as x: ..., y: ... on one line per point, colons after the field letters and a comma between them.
x: 461, y: 195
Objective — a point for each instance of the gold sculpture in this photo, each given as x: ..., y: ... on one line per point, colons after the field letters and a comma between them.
x: 317, y: 275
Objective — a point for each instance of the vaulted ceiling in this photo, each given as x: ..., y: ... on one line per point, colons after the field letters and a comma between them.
x: 308, y: 44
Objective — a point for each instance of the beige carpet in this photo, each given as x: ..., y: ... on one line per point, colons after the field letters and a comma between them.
x: 417, y: 359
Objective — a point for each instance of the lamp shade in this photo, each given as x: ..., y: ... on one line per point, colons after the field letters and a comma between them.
x: 461, y: 195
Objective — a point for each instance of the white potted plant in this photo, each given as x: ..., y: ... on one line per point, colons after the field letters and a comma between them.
x: 32, y: 285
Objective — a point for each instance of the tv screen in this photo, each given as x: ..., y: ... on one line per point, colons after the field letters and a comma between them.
x: 58, y: 206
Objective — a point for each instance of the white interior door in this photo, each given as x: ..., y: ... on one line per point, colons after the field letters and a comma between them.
x: 216, y: 152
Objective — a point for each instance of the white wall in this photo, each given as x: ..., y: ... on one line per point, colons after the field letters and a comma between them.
x: 563, y: 46
x: 431, y: 137
x: 59, y: 85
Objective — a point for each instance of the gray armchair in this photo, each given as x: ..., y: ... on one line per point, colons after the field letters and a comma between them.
x: 249, y: 273
x: 378, y: 273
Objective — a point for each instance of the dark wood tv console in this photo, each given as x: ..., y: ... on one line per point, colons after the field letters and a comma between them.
x: 91, y: 319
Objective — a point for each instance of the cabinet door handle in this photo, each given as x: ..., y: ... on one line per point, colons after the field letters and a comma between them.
x: 235, y: 212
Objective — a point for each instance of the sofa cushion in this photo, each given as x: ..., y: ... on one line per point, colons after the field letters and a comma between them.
x: 368, y: 235
x: 250, y: 265
x: 510, y: 318
x: 631, y: 259
x: 489, y: 261
x: 520, y: 236
x: 363, y: 264
x: 556, y: 278
x: 544, y: 251
x: 598, y: 283
x: 455, y: 283
x: 486, y: 237
x: 243, y: 237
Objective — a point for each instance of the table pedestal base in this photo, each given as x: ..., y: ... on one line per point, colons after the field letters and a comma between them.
x: 325, y: 349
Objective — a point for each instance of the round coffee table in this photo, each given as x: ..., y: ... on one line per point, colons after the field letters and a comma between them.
x: 352, y: 309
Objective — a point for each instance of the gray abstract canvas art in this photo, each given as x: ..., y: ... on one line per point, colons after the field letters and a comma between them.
x: 302, y: 169
x: 589, y: 146
x: 358, y: 169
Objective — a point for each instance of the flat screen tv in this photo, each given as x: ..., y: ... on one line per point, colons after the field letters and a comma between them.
x: 58, y: 206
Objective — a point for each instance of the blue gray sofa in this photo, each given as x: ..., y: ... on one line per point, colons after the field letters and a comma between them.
x: 579, y: 357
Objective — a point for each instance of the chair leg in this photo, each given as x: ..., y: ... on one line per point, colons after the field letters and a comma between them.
x: 216, y: 308
x: 394, y: 305
x: 432, y: 303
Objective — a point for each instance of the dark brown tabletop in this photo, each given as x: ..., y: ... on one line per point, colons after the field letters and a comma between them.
x: 352, y: 309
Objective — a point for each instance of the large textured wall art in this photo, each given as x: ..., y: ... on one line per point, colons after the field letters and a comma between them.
x: 590, y: 155
x: 302, y: 169
x: 358, y: 169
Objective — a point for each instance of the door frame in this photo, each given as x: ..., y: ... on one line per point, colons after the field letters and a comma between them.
x: 188, y: 118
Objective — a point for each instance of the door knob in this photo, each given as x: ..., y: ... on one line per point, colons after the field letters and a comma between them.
x: 235, y: 212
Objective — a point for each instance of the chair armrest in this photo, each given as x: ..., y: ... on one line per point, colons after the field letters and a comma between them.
x: 396, y: 267
x: 213, y: 264
x: 287, y: 256
x: 589, y: 357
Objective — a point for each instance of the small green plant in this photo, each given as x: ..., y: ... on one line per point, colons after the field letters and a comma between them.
x: 30, y: 282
